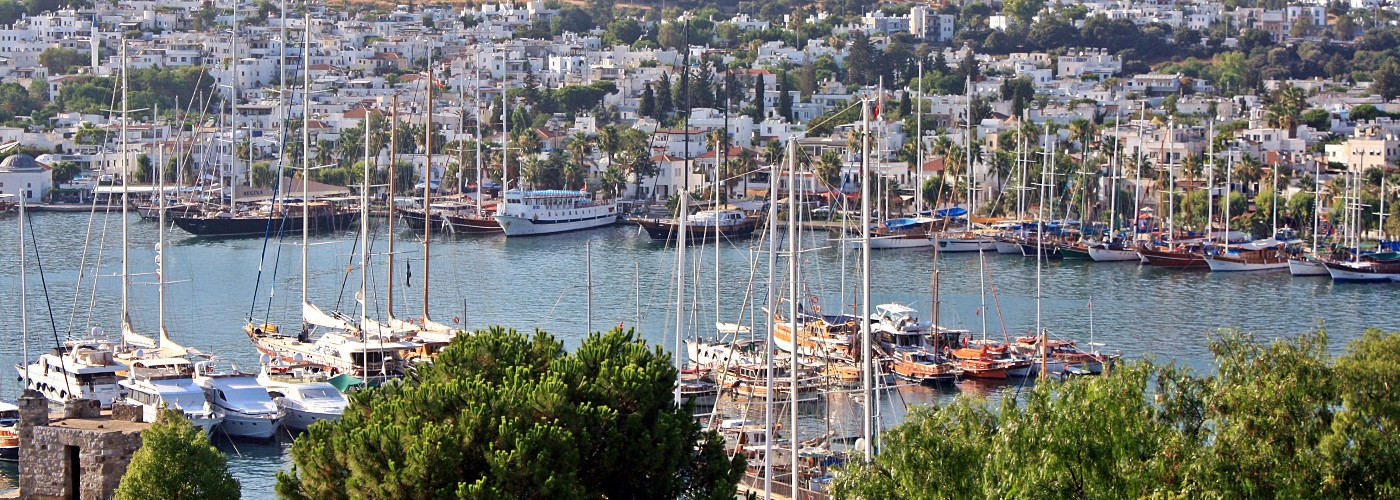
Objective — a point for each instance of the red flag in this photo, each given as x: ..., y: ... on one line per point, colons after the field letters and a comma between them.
x: 877, y: 108
x: 439, y: 84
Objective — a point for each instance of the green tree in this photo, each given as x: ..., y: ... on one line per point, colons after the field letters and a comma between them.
x: 1278, y: 419
x: 648, y: 105
x: 65, y: 171
x: 1021, y: 11
x: 1387, y: 79
x: 758, y: 92
x: 829, y: 170
x: 59, y: 60
x: 784, y: 97
x: 501, y: 414
x: 176, y: 461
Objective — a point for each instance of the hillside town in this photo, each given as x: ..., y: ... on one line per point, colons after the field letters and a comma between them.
x: 624, y: 98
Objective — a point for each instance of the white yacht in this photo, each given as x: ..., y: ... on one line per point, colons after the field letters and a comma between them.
x: 154, y: 384
x: 528, y: 213
x: 303, y: 395
x: 83, y: 369
x: 246, y: 408
x: 340, y: 349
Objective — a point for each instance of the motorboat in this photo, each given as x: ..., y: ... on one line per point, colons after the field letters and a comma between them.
x: 247, y: 409
x: 79, y: 369
x: 160, y: 383
x: 303, y: 394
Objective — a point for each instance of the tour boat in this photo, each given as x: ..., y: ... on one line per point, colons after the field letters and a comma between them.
x: 471, y: 222
x: 905, y: 339
x: 749, y: 380
x: 1262, y: 255
x: 820, y: 337
x: 924, y: 367
x: 1075, y: 251
x: 243, y: 403
x: 303, y: 394
x: 703, y: 226
x: 79, y: 369
x: 530, y: 213
x: 160, y: 383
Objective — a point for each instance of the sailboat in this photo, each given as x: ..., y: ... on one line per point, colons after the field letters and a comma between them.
x: 368, y: 350
x: 477, y: 220
x: 1113, y: 248
x: 1312, y: 263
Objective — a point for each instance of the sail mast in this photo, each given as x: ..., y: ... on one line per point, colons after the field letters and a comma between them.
x: 1210, y: 184
x: 768, y: 416
x: 305, y: 164
x: 919, y: 145
x: 866, y: 351
x: 364, y: 240
x: 126, y: 202
x: 428, y: 188
x: 393, y: 162
x: 794, y: 250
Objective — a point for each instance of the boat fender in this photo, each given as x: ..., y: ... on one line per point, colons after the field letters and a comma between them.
x: 456, y: 320
x: 816, y: 308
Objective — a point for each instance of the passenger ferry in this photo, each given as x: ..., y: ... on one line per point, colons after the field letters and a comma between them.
x: 529, y: 213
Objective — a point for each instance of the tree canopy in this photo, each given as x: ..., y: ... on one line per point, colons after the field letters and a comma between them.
x: 175, y: 462
x: 501, y: 414
x: 1282, y: 419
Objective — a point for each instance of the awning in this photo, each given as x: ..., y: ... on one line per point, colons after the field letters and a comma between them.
x: 344, y: 382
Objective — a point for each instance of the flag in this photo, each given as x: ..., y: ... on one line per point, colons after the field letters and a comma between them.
x: 584, y: 188
x: 408, y: 280
x: 978, y: 311
x: 877, y: 108
x: 439, y: 84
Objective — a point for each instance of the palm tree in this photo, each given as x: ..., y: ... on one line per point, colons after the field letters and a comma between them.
x: 609, y: 140
x: 613, y: 179
x: 1082, y: 130
x: 532, y: 170
x: 1286, y: 108
x: 574, y: 174
x: 579, y: 146
x: 829, y: 170
x: 1248, y: 172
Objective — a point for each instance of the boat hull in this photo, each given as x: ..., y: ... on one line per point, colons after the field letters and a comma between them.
x: 1107, y: 254
x: 896, y: 242
x: 1075, y: 253
x: 260, y: 226
x: 1010, y: 247
x: 1179, y: 260
x: 965, y: 245
x: 1221, y: 265
x: 250, y: 426
x: 1343, y: 273
x: 468, y: 224
x: 300, y: 420
x: 519, y: 226
x: 1301, y: 267
x: 1049, y: 252
x: 662, y: 230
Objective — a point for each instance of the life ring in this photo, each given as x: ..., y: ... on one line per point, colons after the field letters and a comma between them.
x: 816, y: 308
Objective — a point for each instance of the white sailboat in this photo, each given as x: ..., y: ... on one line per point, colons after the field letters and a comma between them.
x: 1311, y: 264
x: 1113, y: 249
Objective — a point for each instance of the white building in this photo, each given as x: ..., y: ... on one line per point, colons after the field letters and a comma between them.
x: 21, y: 176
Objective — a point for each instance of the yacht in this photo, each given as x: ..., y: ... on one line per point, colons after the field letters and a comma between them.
x: 244, y: 404
x: 155, y: 384
x: 79, y: 369
x: 340, y: 350
x: 303, y: 394
x: 529, y: 213
x: 703, y: 226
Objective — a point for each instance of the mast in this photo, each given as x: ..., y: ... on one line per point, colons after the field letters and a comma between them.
x: 1317, y: 195
x: 505, y: 144
x: 1274, y: 201
x: 919, y: 145
x: 683, y: 210
x: 867, y: 356
x: 305, y: 165
x: 588, y: 285
x: 393, y: 162
x: 794, y: 249
x: 233, y: 115
x: 160, y: 251
x: 1171, y: 185
x: 24, y: 286
x: 967, y: 152
x: 1116, y: 171
x: 768, y: 417
x: 1210, y: 184
x: 1229, y: 187
x: 476, y: 102
x: 364, y: 243
x: 1040, y: 250
x: 126, y: 202
x: 427, y: 187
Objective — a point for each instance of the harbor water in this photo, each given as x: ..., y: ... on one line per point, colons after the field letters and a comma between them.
x: 216, y: 285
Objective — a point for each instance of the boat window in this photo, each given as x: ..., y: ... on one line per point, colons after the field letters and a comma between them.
x: 221, y: 394
x: 320, y: 394
x: 276, y: 394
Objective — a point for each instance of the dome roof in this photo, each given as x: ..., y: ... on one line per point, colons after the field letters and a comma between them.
x: 20, y: 162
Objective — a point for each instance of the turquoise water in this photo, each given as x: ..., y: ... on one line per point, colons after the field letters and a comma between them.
x: 543, y: 282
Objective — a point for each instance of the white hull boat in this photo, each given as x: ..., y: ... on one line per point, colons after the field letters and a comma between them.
x: 965, y: 244
x: 532, y: 213
x: 1102, y: 253
x: 1303, y: 267
x: 1224, y: 265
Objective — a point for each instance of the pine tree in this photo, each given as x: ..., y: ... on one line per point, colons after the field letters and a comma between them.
x: 758, y: 99
x: 663, y: 96
x: 176, y: 461
x: 784, y: 97
x: 648, y: 106
x: 859, y: 59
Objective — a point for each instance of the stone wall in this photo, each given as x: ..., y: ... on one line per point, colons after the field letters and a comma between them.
x: 83, y: 453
